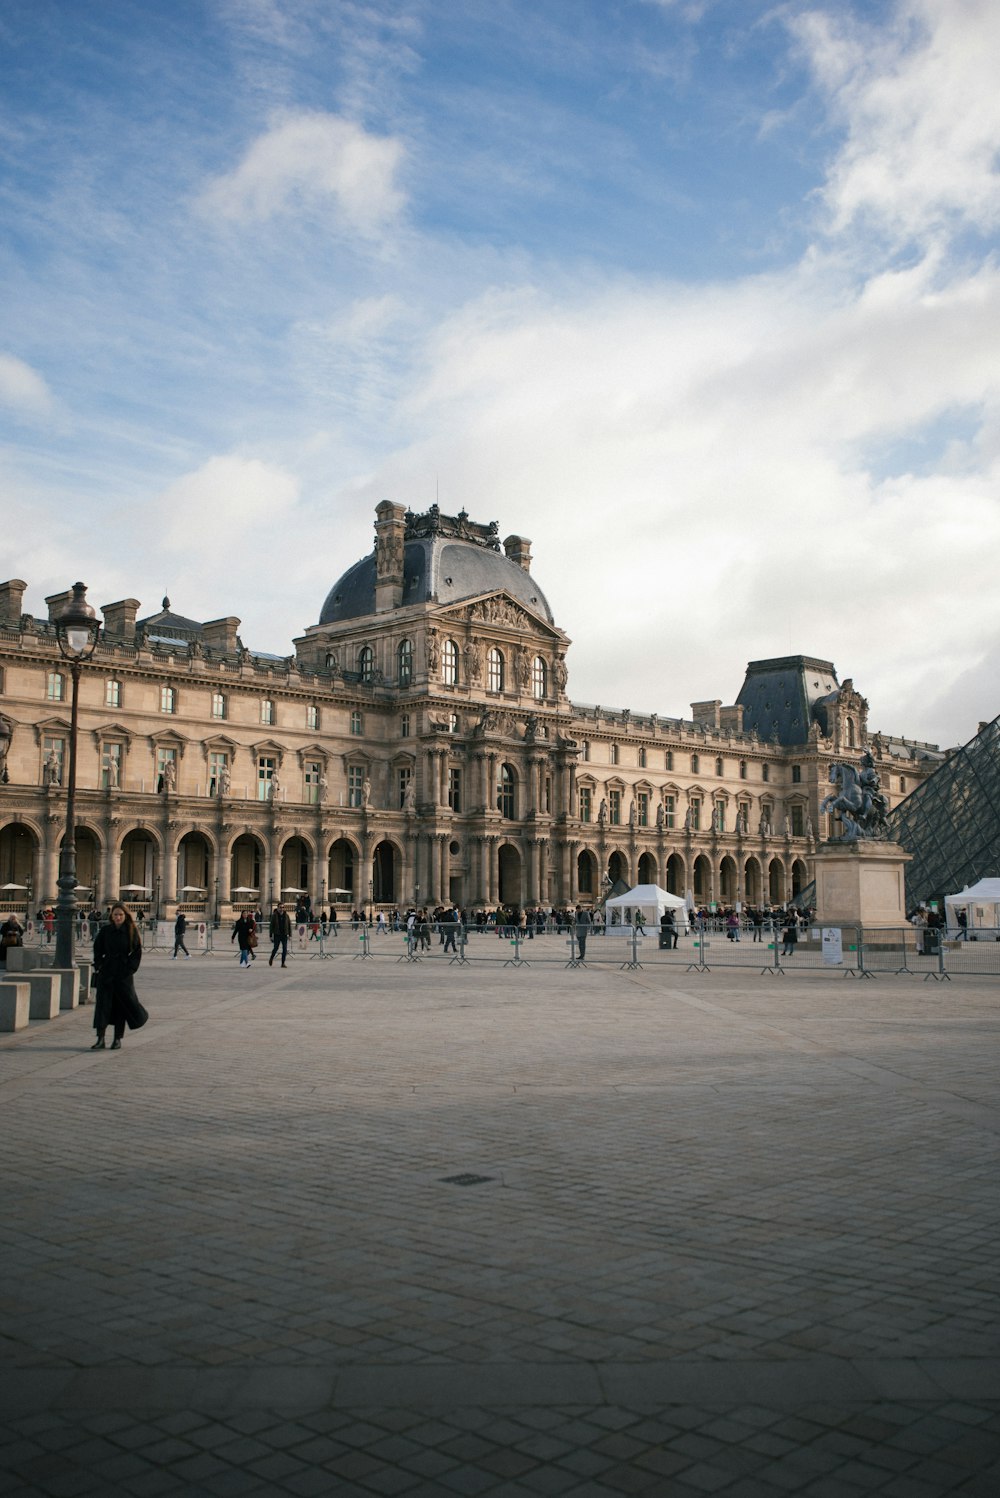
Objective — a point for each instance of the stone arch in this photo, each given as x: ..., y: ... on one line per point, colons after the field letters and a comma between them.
x: 386, y: 875
x: 197, y: 858
x: 675, y: 875
x: 509, y: 874
x: 139, y: 860
x: 776, y: 882
x: 800, y: 877
x: 702, y: 889
x: 586, y: 874
x: 648, y: 868
x: 297, y: 867
x: 728, y: 881
x: 753, y: 883
x: 618, y: 871
x: 246, y: 868
x: 343, y: 862
x: 20, y: 845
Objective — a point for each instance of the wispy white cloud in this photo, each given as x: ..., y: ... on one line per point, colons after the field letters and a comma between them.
x: 22, y: 389
x: 918, y: 98
x: 310, y: 160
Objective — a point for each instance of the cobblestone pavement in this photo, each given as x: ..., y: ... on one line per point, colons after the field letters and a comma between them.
x: 379, y: 1228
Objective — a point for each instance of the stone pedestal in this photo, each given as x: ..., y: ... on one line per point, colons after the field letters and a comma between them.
x: 861, y: 884
x: 15, y: 1000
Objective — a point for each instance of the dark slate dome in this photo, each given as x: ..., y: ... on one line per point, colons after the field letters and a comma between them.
x: 439, y: 565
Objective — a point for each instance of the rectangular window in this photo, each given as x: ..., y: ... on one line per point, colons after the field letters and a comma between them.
x: 112, y: 694
x: 669, y: 810
x: 355, y: 782
x: 218, y: 704
x: 403, y: 781
x: 168, y: 700
x: 218, y: 766
x: 267, y: 711
x: 586, y: 749
x: 695, y: 813
x: 615, y: 807
x: 357, y: 725
x: 719, y: 816
x: 642, y: 758
x: 765, y: 772
x: 313, y: 774
x: 53, y: 754
x: 404, y: 726
x: 265, y: 774
x: 798, y: 821
x: 312, y: 716
x: 668, y: 759
x: 796, y: 774
x: 586, y: 803
x: 55, y: 686
x: 111, y: 766
x: 455, y: 789
x: 642, y: 803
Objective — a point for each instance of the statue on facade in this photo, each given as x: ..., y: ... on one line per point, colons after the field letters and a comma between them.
x: 410, y: 795
x: 858, y: 801
x: 224, y: 781
x: 275, y: 785
x: 602, y: 812
x: 324, y: 786
x: 366, y: 792
x: 632, y: 814
x: 765, y: 825
x: 809, y: 828
x: 660, y: 815
x: 688, y: 819
x: 50, y: 769
x: 559, y: 673
x: 433, y: 652
x: 473, y: 663
x: 112, y: 774
x: 169, y: 775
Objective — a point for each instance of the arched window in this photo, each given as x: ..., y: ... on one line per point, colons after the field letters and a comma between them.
x: 495, y: 670
x: 449, y: 663
x: 366, y: 663
x: 695, y: 764
x: 720, y: 768
x: 851, y: 734
x: 539, y: 679
x: 507, y: 795
x: 743, y: 769
x: 404, y: 662
x: 614, y: 754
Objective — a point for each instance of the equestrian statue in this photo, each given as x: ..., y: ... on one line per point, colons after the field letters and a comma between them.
x: 858, y: 801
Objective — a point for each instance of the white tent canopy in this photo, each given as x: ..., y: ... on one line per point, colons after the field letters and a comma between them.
x: 981, y: 903
x: 652, y: 901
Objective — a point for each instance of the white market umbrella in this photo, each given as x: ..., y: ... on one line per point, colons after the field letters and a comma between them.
x: 13, y: 886
x: 135, y: 889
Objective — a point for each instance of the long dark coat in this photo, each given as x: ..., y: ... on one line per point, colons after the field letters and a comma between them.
x: 116, y: 963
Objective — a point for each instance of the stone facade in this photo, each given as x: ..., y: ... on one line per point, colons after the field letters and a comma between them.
x: 418, y: 744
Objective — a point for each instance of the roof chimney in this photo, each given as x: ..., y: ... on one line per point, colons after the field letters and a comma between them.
x: 518, y: 549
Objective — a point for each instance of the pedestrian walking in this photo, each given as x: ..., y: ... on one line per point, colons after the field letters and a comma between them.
x: 180, y: 926
x: 117, y: 955
x: 790, y: 936
x: 281, y: 930
x: 245, y: 935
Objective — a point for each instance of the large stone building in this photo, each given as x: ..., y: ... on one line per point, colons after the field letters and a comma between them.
x: 418, y: 745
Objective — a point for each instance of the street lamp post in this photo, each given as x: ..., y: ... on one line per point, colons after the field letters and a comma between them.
x: 77, y: 628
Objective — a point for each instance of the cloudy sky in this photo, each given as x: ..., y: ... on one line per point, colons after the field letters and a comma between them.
x: 700, y: 295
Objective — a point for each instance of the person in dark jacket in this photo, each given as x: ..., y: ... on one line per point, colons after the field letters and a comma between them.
x: 180, y: 926
x: 245, y: 934
x: 583, y: 924
x: 117, y: 955
x: 281, y: 930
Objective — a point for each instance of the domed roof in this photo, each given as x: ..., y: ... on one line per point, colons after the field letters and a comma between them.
x: 444, y: 560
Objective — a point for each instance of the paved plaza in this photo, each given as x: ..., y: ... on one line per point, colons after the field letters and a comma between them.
x: 369, y: 1227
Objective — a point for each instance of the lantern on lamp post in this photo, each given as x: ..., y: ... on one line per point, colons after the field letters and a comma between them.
x: 77, y: 629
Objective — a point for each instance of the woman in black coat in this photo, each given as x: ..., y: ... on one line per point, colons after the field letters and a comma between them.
x: 117, y: 955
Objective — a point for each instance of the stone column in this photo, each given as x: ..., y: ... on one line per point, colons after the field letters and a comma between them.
x: 110, y: 862
x: 444, y: 839
x: 492, y: 871
x: 54, y: 826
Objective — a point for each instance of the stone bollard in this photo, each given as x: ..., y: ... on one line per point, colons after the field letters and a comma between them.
x: 69, y: 979
x: 15, y: 1002
x: 46, y: 994
x: 83, y: 989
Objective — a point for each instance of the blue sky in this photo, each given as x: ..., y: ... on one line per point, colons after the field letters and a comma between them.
x: 702, y: 297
